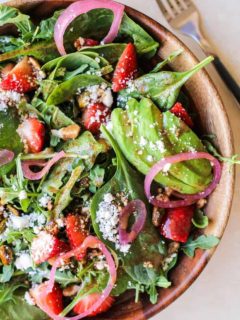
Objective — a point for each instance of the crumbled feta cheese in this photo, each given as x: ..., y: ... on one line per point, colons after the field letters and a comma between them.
x: 44, y: 200
x: 22, y: 195
x: 107, y: 98
x: 108, y: 219
x: 9, y: 99
x: 23, y: 262
x: 143, y: 142
x: 150, y: 158
x: 166, y: 167
x: 29, y: 299
x: 18, y: 222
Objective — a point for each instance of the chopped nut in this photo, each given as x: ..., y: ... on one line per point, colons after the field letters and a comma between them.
x: 201, y: 203
x: 52, y: 227
x: 148, y: 264
x: 36, y: 68
x: 83, y: 99
x: 6, y: 255
x: 157, y: 216
x: 67, y: 133
x: 173, y: 247
x: 71, y: 291
x: 13, y: 210
x: 105, y: 145
x: 3, y: 225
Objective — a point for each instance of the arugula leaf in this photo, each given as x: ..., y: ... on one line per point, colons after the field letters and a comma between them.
x: 13, y: 235
x: 46, y: 27
x: 199, y: 219
x: 63, y: 197
x: 7, y: 273
x: 69, y: 88
x: 169, y: 59
x: 162, y: 87
x: 211, y: 149
x: 202, y: 242
x: 9, y: 43
x: 10, y: 15
x: 13, y: 305
x: 145, y: 136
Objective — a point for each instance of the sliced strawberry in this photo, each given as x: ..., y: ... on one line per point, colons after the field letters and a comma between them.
x: 181, y: 113
x: 85, y: 42
x: 176, y: 223
x: 85, y: 303
x: 53, y: 300
x: 32, y: 133
x: 21, y: 78
x: 95, y: 115
x: 126, y: 68
x: 5, y: 71
x: 76, y: 230
x: 46, y: 246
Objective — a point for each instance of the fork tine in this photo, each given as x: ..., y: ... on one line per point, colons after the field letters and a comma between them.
x: 167, y: 10
x: 184, y: 4
x: 175, y: 6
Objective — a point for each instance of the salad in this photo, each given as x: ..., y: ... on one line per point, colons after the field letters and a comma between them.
x: 103, y: 175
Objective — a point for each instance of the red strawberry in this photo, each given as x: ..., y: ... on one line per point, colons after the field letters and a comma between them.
x: 94, y: 115
x: 126, y: 68
x: 20, y: 78
x: 176, y: 223
x: 53, y: 299
x: 85, y: 42
x: 32, y: 132
x: 46, y: 246
x: 75, y: 230
x: 85, y: 303
x: 181, y: 113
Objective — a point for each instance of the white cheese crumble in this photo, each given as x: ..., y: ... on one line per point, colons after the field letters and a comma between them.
x: 22, y: 195
x: 108, y: 219
x: 29, y: 299
x: 18, y: 222
x: 166, y: 167
x: 9, y: 99
x: 23, y: 262
x: 43, y: 243
x: 44, y: 200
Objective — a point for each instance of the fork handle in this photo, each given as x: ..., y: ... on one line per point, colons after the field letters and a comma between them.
x: 227, y: 78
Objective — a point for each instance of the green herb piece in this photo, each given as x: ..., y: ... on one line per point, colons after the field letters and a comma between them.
x: 199, y: 219
x: 145, y: 136
x: 169, y: 59
x: 45, y: 30
x: 96, y: 176
x: 10, y: 15
x: 111, y: 52
x: 211, y: 149
x: 25, y: 234
x: 202, y: 242
x: 63, y: 197
x: 69, y: 88
x: 10, y: 43
x: 7, y: 273
x: 162, y: 87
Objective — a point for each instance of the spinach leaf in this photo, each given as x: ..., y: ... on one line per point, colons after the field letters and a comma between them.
x: 46, y: 27
x: 169, y: 59
x: 199, y: 219
x: 9, y: 43
x: 9, y: 122
x: 69, y: 88
x: 111, y: 52
x: 148, y: 246
x: 42, y: 51
x: 202, y: 242
x: 13, y: 305
x: 145, y: 136
x: 146, y: 46
x: 162, y: 87
x: 10, y: 15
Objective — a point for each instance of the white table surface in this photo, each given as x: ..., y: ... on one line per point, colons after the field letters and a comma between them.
x: 216, y: 293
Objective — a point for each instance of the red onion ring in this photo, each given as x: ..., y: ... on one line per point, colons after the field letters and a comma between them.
x: 135, y: 205
x: 83, y: 6
x: 6, y: 156
x: 187, y: 199
x: 29, y: 174
x: 89, y: 242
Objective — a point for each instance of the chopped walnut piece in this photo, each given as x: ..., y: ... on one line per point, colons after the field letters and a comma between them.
x: 6, y: 255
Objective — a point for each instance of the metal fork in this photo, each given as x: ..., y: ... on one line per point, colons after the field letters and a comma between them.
x: 183, y: 16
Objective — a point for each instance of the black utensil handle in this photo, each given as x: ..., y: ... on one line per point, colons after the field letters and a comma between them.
x: 227, y: 78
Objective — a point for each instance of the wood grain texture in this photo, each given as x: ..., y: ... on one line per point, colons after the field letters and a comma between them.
x: 212, y: 119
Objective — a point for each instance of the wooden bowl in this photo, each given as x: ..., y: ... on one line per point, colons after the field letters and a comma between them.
x: 213, y: 119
